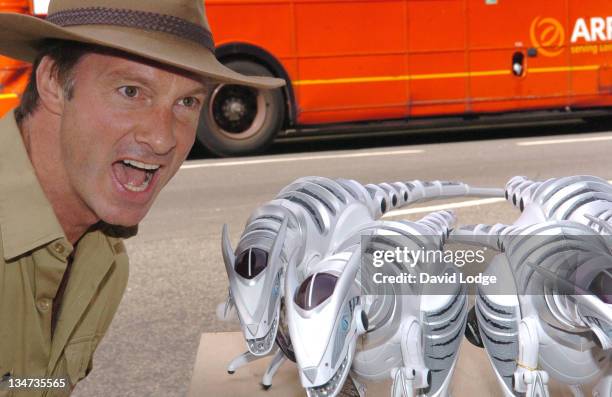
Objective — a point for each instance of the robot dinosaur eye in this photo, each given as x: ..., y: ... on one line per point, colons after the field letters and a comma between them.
x: 315, y: 290
x: 251, y: 262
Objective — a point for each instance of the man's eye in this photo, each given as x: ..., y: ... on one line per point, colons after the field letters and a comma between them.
x: 189, y: 102
x: 129, y: 91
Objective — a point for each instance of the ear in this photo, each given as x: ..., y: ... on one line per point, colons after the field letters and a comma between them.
x: 50, y: 90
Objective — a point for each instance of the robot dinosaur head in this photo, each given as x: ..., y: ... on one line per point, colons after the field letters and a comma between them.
x: 255, y: 272
x: 325, y: 320
x: 563, y: 267
x: 569, y: 268
x: 585, y: 302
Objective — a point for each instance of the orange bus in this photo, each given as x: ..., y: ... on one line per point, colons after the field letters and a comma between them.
x: 350, y: 63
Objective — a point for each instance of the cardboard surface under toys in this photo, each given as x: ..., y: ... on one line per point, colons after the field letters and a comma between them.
x: 473, y: 375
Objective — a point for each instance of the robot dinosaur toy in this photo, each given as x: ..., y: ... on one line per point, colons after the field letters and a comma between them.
x: 341, y: 328
x: 555, y: 319
x: 297, y: 287
x: 306, y: 222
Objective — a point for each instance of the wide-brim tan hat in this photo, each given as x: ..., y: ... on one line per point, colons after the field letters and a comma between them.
x: 171, y: 32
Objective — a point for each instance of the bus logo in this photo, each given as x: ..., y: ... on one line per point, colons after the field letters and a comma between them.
x: 548, y: 36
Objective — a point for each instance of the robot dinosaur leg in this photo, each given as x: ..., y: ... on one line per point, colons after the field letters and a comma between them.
x: 242, y: 360
x: 413, y: 374
x: 278, y: 359
x: 360, y: 387
x: 527, y: 378
x: 576, y: 391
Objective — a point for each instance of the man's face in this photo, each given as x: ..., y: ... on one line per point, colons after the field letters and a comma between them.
x: 125, y: 132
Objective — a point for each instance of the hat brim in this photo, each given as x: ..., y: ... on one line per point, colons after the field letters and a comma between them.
x: 22, y: 34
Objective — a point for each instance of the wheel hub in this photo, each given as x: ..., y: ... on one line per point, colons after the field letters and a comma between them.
x: 238, y: 111
x: 234, y: 109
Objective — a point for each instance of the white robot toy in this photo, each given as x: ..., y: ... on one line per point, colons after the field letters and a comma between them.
x: 307, y: 221
x: 345, y: 329
x: 551, y: 315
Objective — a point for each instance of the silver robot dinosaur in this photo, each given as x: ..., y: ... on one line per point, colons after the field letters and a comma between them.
x: 553, y: 317
x: 306, y: 222
x: 582, y: 199
x: 341, y: 323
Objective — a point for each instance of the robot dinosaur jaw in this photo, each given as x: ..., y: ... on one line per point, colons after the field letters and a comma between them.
x: 263, y: 346
x: 324, y: 322
x: 260, y: 331
x: 598, y: 316
x: 333, y: 386
x: 256, y: 280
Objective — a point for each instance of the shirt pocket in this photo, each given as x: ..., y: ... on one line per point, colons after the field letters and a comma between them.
x: 78, y: 355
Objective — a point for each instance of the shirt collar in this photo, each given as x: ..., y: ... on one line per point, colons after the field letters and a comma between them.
x: 27, y: 220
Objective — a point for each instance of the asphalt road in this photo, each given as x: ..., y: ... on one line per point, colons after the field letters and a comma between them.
x: 177, y: 275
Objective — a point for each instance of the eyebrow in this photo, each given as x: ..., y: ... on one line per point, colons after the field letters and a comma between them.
x: 204, y: 88
x: 128, y: 75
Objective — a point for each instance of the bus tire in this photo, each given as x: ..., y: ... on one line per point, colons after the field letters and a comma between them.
x: 238, y: 120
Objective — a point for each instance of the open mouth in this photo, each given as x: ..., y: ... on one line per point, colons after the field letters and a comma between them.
x: 134, y: 176
x: 333, y: 386
x: 263, y: 345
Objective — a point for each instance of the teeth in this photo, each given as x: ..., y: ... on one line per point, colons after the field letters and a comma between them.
x: 133, y: 188
x: 262, y: 344
x: 142, y: 166
x: 142, y: 187
x: 331, y: 386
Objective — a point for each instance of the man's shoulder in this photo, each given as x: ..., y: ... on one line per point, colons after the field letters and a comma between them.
x: 27, y: 219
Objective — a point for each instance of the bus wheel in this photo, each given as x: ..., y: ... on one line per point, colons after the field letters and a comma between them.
x: 238, y: 120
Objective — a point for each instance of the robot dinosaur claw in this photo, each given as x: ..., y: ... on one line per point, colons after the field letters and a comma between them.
x: 527, y: 378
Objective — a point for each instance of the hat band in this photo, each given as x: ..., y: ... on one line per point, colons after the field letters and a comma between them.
x: 134, y: 19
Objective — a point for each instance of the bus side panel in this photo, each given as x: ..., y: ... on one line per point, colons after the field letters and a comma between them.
x: 499, y: 35
x: 437, y: 61
x: 590, y: 34
x: 13, y: 74
x: 352, y: 59
x: 267, y: 25
x: 13, y: 80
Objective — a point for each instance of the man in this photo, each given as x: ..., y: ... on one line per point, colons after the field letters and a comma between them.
x: 107, y: 119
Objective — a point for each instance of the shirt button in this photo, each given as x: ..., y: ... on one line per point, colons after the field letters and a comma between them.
x: 59, y: 248
x: 43, y: 305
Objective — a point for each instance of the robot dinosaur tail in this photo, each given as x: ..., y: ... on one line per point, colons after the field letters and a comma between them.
x: 400, y: 194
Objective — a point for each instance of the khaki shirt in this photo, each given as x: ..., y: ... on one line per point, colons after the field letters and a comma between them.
x: 33, y: 258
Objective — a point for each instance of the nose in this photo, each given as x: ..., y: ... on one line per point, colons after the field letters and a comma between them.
x: 158, y: 132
